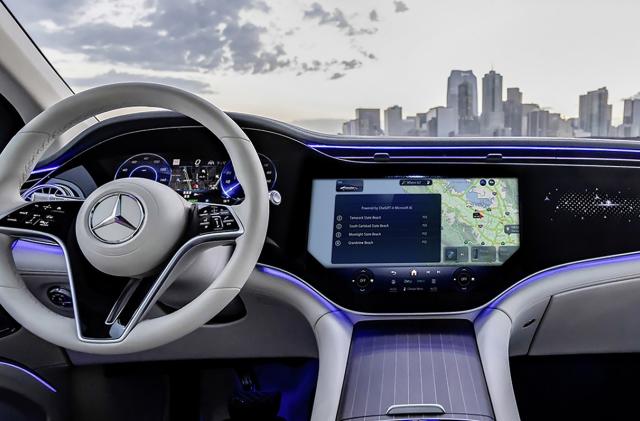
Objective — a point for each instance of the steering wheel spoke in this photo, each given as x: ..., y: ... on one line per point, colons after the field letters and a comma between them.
x: 93, y: 292
x: 213, y: 221
x: 49, y: 219
x: 108, y: 307
x: 210, y: 224
x: 110, y: 313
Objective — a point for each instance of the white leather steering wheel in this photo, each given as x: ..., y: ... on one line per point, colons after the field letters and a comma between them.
x: 125, y: 242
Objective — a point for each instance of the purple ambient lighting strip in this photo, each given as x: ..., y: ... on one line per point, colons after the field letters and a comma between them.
x: 468, y: 147
x: 36, y: 247
x: 45, y: 169
x: 29, y: 373
x: 416, y: 157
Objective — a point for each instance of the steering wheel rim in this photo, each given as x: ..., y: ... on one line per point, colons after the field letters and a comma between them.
x: 27, y: 147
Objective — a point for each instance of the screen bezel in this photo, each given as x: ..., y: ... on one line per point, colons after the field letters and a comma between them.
x: 319, y: 218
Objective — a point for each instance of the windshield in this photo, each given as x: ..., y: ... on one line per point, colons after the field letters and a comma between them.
x: 439, y: 68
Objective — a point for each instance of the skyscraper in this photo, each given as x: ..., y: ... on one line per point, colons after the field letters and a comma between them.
x: 456, y: 79
x: 558, y: 126
x: 492, y: 111
x: 421, y: 121
x: 491, y: 92
x: 538, y: 123
x: 631, y: 117
x: 462, y: 98
x: 350, y: 128
x: 595, y: 112
x: 368, y: 121
x: 513, y: 111
x: 526, y: 110
x: 441, y: 122
x: 393, y: 124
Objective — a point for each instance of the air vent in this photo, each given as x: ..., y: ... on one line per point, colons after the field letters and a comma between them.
x: 50, y: 192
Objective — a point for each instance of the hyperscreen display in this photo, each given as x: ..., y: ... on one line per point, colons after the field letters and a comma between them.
x: 414, y: 221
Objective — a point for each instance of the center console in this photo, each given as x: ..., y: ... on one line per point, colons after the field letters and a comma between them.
x: 414, y: 370
x: 413, y: 239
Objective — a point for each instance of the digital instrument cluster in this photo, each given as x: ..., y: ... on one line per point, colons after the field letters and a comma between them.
x: 196, y: 179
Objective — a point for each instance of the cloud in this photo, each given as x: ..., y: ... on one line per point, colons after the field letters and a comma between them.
x: 201, y: 36
x: 197, y: 35
x: 247, y: 52
x: 335, y: 67
x: 337, y: 76
x: 367, y: 54
x: 400, y: 6
x: 113, y: 76
x: 313, y: 66
x: 324, y: 17
x: 336, y: 18
x: 54, y: 10
x: 351, y: 64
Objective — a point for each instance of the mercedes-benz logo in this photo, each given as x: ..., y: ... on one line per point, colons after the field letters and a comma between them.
x: 116, y: 218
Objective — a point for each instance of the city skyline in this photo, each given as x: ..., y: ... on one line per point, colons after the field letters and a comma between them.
x: 305, y: 61
x: 499, y: 116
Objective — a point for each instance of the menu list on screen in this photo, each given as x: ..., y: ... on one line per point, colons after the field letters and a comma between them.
x: 386, y: 228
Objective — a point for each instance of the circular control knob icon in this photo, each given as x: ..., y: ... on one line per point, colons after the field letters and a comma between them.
x: 363, y: 280
x: 463, y: 278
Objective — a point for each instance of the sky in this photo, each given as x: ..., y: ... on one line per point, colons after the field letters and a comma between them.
x: 313, y: 62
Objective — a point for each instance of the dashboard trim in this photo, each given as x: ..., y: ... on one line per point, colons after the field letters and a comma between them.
x: 49, y: 168
x: 494, y: 303
x: 469, y: 147
x: 491, y: 304
x: 420, y: 158
x: 321, y: 143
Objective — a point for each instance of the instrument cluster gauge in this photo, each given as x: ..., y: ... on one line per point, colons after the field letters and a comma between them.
x: 231, y: 188
x: 146, y: 165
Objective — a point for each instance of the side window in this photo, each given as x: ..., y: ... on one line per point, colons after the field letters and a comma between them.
x: 10, y: 122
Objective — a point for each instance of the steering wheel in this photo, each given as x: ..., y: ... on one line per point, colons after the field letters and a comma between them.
x: 129, y: 239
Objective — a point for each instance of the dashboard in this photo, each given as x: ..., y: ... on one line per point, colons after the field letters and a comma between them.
x: 387, y: 225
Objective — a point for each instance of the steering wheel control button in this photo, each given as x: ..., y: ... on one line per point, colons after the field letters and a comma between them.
x: 215, y: 218
x: 116, y: 218
x: 363, y: 280
x: 60, y: 297
x: 42, y: 216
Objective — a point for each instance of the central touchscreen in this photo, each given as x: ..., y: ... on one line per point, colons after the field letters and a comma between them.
x: 414, y: 221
